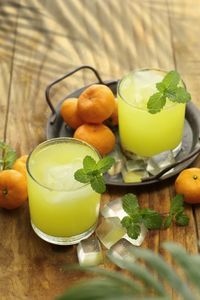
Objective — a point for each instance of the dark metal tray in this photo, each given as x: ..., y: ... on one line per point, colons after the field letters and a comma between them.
x: 190, y: 142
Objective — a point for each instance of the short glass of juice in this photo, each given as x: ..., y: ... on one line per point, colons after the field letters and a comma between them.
x: 63, y: 211
x: 141, y: 132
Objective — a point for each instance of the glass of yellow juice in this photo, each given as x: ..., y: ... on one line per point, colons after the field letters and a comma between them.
x: 141, y: 132
x: 63, y: 211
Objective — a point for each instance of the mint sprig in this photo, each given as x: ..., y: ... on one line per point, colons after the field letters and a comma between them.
x: 7, y: 156
x: 92, y: 172
x: 176, y: 213
x: 137, y: 216
x: 150, y: 218
x: 168, y: 89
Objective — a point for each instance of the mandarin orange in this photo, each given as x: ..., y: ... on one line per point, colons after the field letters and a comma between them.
x: 20, y: 165
x: 188, y: 184
x: 114, y: 116
x: 98, y: 135
x: 13, y: 189
x: 70, y: 113
x: 96, y: 103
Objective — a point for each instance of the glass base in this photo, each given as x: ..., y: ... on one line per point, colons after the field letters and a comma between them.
x: 63, y: 240
x: 176, y: 150
x: 134, y: 156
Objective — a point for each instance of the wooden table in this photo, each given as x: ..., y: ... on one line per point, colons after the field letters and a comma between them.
x: 42, y: 40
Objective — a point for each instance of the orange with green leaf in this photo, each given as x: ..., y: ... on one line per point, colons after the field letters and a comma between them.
x: 13, y: 185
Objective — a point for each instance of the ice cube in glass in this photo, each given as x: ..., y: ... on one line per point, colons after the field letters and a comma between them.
x: 89, y: 252
x: 158, y: 162
x: 110, y: 231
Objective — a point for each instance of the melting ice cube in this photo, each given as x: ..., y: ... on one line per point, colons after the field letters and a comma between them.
x: 89, y: 252
x: 122, y: 250
x: 110, y: 231
x: 113, y: 209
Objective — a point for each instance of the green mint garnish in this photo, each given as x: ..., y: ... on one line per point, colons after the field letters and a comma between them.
x: 130, y: 204
x: 136, y: 216
x: 177, y: 213
x: 7, y: 156
x: 168, y: 89
x: 150, y: 218
x: 92, y: 172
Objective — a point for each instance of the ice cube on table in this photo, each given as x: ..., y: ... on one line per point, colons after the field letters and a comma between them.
x: 113, y: 209
x: 89, y: 252
x: 110, y: 231
x: 158, y: 162
x: 122, y: 250
x: 141, y: 237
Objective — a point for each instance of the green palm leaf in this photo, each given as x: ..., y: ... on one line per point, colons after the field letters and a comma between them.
x: 190, y: 264
x: 111, y: 285
x: 141, y: 273
x: 156, y: 262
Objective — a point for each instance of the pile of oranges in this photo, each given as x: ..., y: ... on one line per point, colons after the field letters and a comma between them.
x: 87, y: 113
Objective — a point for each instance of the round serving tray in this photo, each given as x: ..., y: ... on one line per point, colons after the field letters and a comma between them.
x: 190, y: 142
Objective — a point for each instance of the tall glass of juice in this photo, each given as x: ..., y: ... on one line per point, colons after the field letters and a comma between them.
x: 143, y: 133
x: 62, y: 210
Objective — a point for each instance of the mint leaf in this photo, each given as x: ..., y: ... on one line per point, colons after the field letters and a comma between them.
x: 105, y: 164
x: 171, y: 95
x: 7, y: 156
x: 168, y: 89
x: 160, y: 87
x: 92, y: 172
x: 176, y: 204
x: 129, y: 203
x: 126, y: 221
x: 89, y: 164
x: 182, y: 219
x: 81, y: 176
x: 171, y: 80
x: 182, y: 96
x: 133, y: 231
x: 167, y: 222
x: 156, y: 103
x: 151, y: 218
x: 98, y: 184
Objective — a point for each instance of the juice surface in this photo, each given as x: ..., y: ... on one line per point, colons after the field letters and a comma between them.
x: 141, y: 132
x: 59, y: 205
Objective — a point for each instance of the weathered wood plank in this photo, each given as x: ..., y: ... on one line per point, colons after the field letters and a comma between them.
x: 184, y: 23
x: 53, y: 37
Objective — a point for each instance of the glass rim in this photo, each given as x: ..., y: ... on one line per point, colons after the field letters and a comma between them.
x: 49, y: 142
x: 143, y: 70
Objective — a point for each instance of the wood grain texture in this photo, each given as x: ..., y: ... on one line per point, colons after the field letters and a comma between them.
x: 41, y: 40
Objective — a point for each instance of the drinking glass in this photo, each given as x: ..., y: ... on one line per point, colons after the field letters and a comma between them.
x: 62, y: 210
x: 143, y: 133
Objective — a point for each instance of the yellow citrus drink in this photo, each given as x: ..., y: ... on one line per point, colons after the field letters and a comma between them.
x: 62, y: 210
x: 141, y: 132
